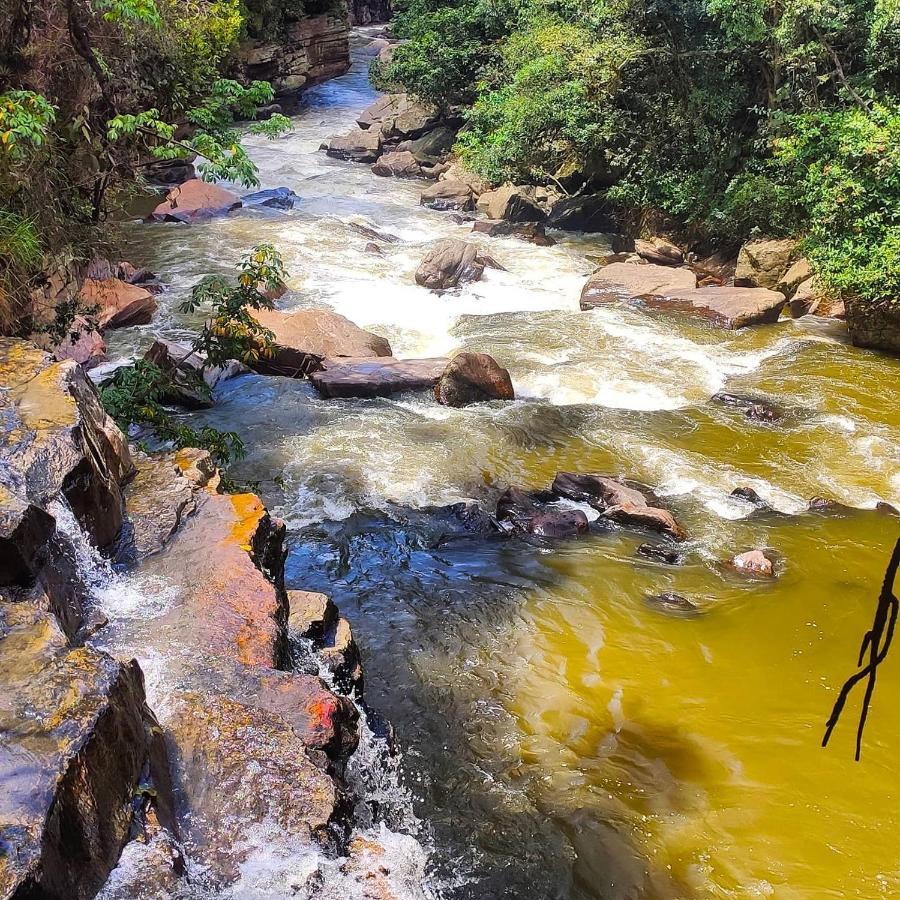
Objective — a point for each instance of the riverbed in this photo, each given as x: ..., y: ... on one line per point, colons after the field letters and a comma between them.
x: 560, y: 737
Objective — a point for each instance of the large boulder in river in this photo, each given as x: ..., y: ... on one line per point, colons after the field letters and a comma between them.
x: 448, y: 194
x: 376, y: 377
x: 356, y: 145
x: 304, y: 337
x: 763, y: 263
x: 398, y: 116
x: 116, y: 303
x: 194, y: 201
x: 875, y: 324
x: 473, y: 378
x: 729, y: 307
x: 399, y: 164
x: 513, y: 203
x: 626, y: 281
x: 589, y: 213
x: 450, y: 263
x: 57, y: 442
x: 619, y: 501
x: 432, y: 147
x: 75, y: 741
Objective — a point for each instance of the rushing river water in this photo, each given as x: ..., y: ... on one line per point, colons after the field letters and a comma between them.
x: 561, y: 738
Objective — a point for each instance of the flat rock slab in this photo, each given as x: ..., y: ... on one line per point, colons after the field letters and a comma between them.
x: 631, y: 282
x: 730, y: 307
x: 342, y: 378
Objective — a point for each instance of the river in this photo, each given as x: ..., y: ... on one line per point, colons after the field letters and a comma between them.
x: 560, y: 737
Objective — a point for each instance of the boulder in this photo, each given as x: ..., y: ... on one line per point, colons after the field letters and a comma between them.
x: 763, y: 263
x: 398, y: 117
x: 659, y: 252
x: 74, y: 745
x: 84, y: 344
x: 624, y: 281
x: 523, y: 512
x: 619, y: 502
x: 342, y: 378
x: 589, y: 213
x: 356, y: 145
x: 117, y: 304
x: 532, y: 232
x: 728, y: 307
x: 432, y: 147
x: 457, y: 172
x: 448, y: 194
x: 192, y: 384
x: 473, y: 378
x: 398, y: 165
x: 239, y: 770
x: 875, y: 324
x: 25, y: 530
x: 799, y: 272
x: 194, y: 201
x: 450, y: 263
x: 512, y: 203
x: 753, y: 562
x: 304, y: 337
x: 57, y: 440
x: 272, y: 198
x: 312, y: 615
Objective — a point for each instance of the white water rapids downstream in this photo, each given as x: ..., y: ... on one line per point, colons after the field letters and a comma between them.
x: 560, y: 740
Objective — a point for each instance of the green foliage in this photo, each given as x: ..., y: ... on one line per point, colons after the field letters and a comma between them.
x: 125, y: 11
x: 231, y: 331
x: 134, y: 395
x: 25, y: 122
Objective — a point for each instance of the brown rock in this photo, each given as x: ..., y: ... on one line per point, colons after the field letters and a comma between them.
x: 311, y: 615
x: 532, y: 232
x: 659, y: 252
x: 874, y: 325
x: 729, y: 307
x: 450, y: 263
x: 753, y: 562
x: 304, y: 337
x: 457, y: 172
x: 763, y: 263
x: 84, y: 344
x: 523, y: 513
x: 473, y: 378
x: 398, y: 165
x: 372, y: 247
x: 356, y: 145
x: 660, y: 520
x: 59, y: 441
x: 625, y: 281
x: 513, y: 203
x: 195, y: 201
x: 799, y: 272
x: 341, y: 378
x: 74, y: 744
x: 117, y: 303
x: 448, y: 194
x: 221, y: 800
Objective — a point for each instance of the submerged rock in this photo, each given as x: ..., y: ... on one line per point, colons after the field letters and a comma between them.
x: 473, y: 378
x: 304, y: 337
x: 673, y: 604
x: 659, y: 553
x: 195, y: 201
x: 273, y: 198
x: 619, y: 502
x: 753, y: 562
x: 382, y: 377
x: 756, y: 408
x: 524, y: 513
x: 532, y: 232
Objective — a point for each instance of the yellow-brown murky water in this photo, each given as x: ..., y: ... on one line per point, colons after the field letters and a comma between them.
x: 567, y: 739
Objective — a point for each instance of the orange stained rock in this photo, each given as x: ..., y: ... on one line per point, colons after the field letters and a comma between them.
x: 250, y: 512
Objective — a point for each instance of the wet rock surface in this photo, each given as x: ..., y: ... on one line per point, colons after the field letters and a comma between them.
x: 73, y: 745
x: 527, y: 513
x: 381, y: 377
x: 625, y: 281
x: 450, y: 263
x: 473, y: 378
x: 195, y: 201
x: 729, y: 307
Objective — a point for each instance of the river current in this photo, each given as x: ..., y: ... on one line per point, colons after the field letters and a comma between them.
x: 559, y: 737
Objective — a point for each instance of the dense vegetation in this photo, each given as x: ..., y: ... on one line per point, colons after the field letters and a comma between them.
x: 91, y: 91
x: 725, y: 118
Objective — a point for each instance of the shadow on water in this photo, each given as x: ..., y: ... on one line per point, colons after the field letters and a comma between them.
x: 436, y: 611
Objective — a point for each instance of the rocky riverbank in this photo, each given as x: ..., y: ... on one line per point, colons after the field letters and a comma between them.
x: 230, y: 741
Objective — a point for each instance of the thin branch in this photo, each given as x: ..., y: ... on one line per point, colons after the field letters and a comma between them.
x: 876, y: 642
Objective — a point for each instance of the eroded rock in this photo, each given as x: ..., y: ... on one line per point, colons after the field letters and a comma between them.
x: 525, y: 513
x: 356, y: 145
x: 729, y: 307
x: 753, y: 562
x: 473, y: 378
x: 398, y: 164
x: 659, y: 252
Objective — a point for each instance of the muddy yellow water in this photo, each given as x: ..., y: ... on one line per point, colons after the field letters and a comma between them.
x: 563, y: 738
